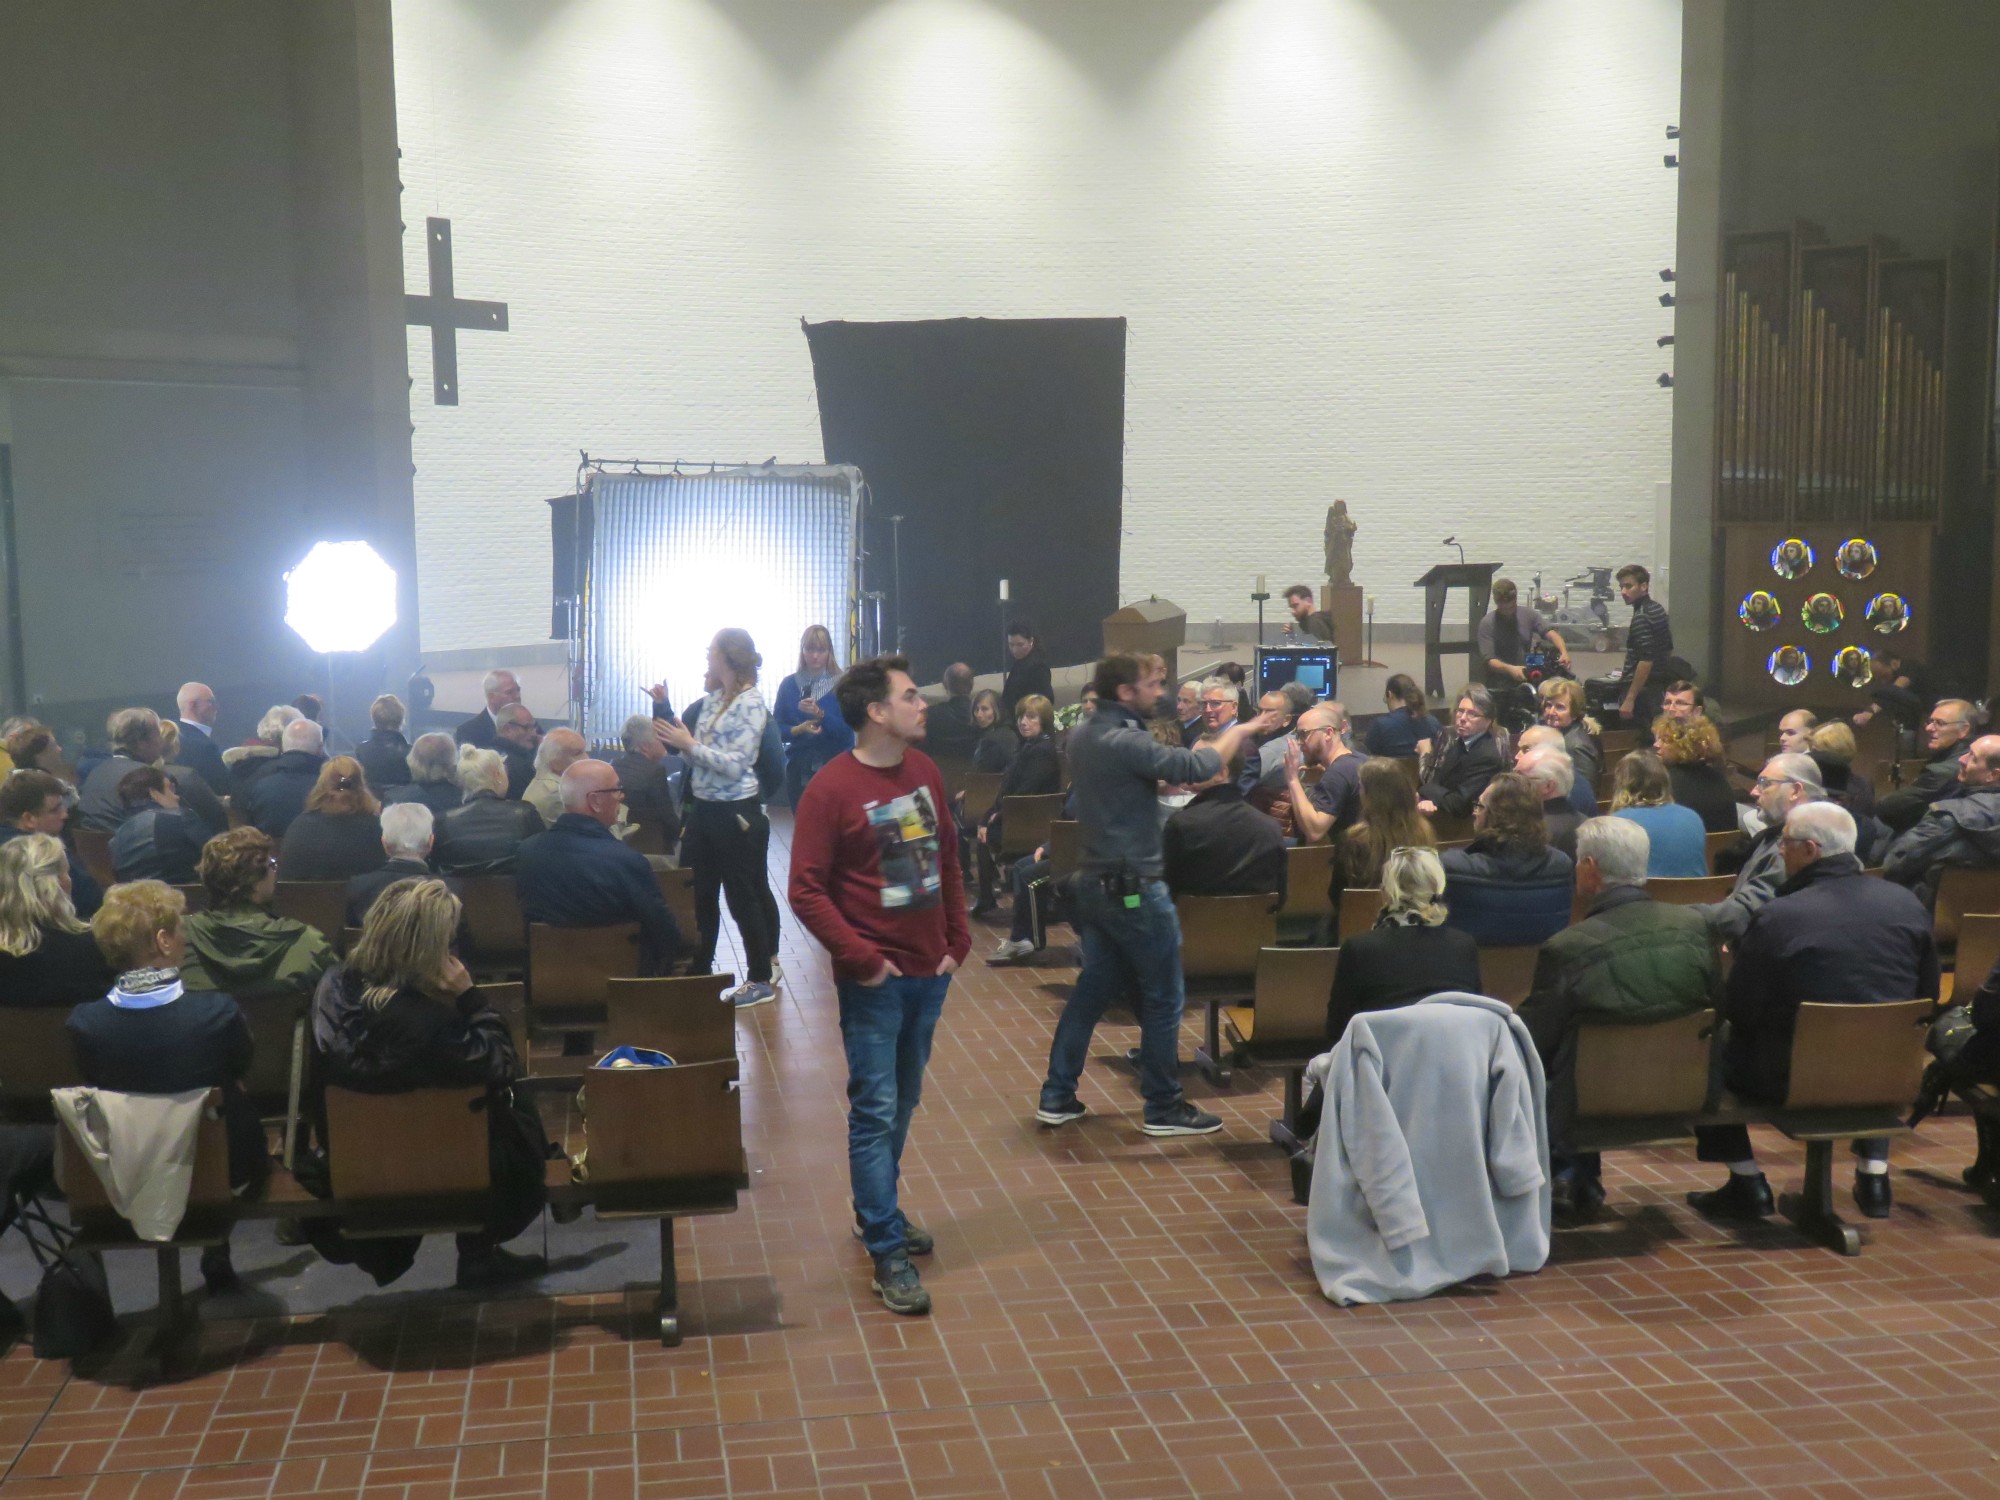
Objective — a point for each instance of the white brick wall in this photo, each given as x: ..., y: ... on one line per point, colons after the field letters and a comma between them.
x: 1400, y: 254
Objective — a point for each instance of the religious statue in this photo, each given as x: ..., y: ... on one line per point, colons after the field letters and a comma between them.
x: 1340, y: 531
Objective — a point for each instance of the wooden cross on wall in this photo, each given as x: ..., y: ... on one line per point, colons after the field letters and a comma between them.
x: 444, y: 314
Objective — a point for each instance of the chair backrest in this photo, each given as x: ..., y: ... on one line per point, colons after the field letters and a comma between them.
x: 685, y: 1017
x: 93, y: 848
x: 317, y: 903
x: 428, y: 1143
x: 36, y: 1055
x: 567, y: 966
x: 510, y: 1001
x: 1852, y: 1055
x: 1293, y: 986
x: 208, y: 1189
x: 1690, y: 890
x: 1910, y: 768
x: 648, y: 838
x: 1508, y: 973
x: 1065, y: 848
x: 1221, y: 935
x: 1413, y: 770
x: 1359, y: 907
x: 271, y: 1019
x: 1962, y: 890
x: 194, y: 897
x: 1978, y: 952
x: 1615, y: 743
x: 1024, y: 823
x: 493, y: 921
x: 677, y: 890
x: 1715, y: 843
x: 625, y: 1109
x: 1628, y: 1072
x: 1309, y: 872
x: 982, y: 789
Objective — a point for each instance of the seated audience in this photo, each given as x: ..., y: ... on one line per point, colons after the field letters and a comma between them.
x: 1406, y: 728
x: 1691, y: 750
x: 35, y: 802
x: 1681, y: 701
x: 559, y: 750
x: 642, y: 771
x: 433, y: 775
x: 807, y: 715
x: 1040, y: 901
x: 483, y: 835
x: 1219, y: 845
x: 1036, y: 771
x: 579, y: 875
x: 1832, y: 936
x: 196, y: 704
x: 385, y: 754
x: 313, y: 706
x: 338, y: 835
x: 1220, y: 704
x: 1508, y: 888
x: 518, y: 737
x: 1786, y: 782
x: 47, y: 955
x: 997, y: 742
x: 949, y: 732
x: 1961, y: 829
x: 280, y: 790
x: 1284, y: 704
x: 408, y: 832
x: 153, y: 1034
x: 1410, y: 953
x: 1328, y: 807
x: 34, y: 747
x: 1472, y: 756
x: 135, y: 742
x: 1946, y: 733
x: 403, y: 1014
x: 1548, y: 771
x: 200, y: 804
x: 1582, y: 799
x: 1188, y: 714
x: 1389, y: 820
x: 245, y: 763
x: 1629, y: 961
x: 1795, y: 731
x: 158, y: 840
x: 1566, y: 709
x: 237, y: 944
x: 482, y: 731
x: 1643, y: 793
x: 1832, y: 747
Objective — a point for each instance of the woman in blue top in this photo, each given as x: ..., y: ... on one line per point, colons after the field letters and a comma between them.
x: 807, y: 716
x: 1676, y: 840
x: 1407, y: 729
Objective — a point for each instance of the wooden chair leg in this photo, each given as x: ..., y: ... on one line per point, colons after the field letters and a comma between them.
x: 1811, y: 1211
x: 1208, y: 1057
x: 295, y: 1087
x: 1284, y: 1129
x: 670, y: 1292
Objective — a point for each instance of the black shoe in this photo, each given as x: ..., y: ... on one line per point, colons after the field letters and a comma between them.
x: 218, y: 1272
x: 984, y: 909
x: 1062, y: 1113
x: 1579, y: 1200
x: 899, y: 1286
x: 1978, y: 1175
x: 1871, y: 1194
x: 497, y: 1267
x: 915, y: 1241
x: 1740, y: 1198
x: 1183, y: 1119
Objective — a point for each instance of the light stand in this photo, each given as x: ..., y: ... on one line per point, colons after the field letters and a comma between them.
x: 1003, y: 625
x: 1260, y: 595
x: 896, y: 564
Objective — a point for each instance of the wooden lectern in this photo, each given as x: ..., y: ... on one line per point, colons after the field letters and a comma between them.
x: 1477, y: 581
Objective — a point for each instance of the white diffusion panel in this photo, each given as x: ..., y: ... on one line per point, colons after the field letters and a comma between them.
x: 677, y: 557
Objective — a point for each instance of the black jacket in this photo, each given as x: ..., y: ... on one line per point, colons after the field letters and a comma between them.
x: 384, y: 758
x: 520, y: 768
x: 1219, y: 845
x: 478, y: 730
x: 483, y: 835
x: 331, y: 846
x: 649, y: 796
x: 201, y: 755
x: 1938, y: 779
x: 154, y: 844
x: 1036, y: 771
x: 1026, y: 677
x: 996, y: 749
x: 1706, y: 790
x: 278, y: 792
x: 1393, y: 965
x: 1507, y: 896
x: 1830, y: 935
x: 1461, y: 774
x: 578, y: 875
x: 948, y: 731
x: 439, y: 796
x: 363, y: 889
x: 66, y: 968
x: 1963, y: 829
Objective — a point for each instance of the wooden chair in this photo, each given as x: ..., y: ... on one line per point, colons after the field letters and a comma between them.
x: 1508, y: 973
x: 1855, y: 1069
x: 1287, y: 1027
x: 1978, y: 952
x: 386, y: 1184
x: 1910, y: 768
x: 93, y: 848
x: 317, y: 903
x: 1220, y: 940
x: 194, y: 896
x: 684, y: 1017
x: 648, y: 838
x: 1616, y: 744
x: 1961, y: 890
x: 1640, y: 1085
x: 39, y: 1056
x: 677, y: 890
x: 1717, y: 842
x: 637, y: 1170
x: 982, y: 790
x: 1024, y: 823
x: 1065, y: 848
x: 1691, y: 890
x: 1309, y: 872
x: 494, y: 924
x: 1359, y: 907
x: 567, y: 968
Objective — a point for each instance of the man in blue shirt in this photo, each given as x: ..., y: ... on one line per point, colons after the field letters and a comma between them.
x: 579, y: 875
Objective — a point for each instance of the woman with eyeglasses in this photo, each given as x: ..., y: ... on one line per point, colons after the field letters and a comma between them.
x: 238, y: 945
x: 1472, y: 756
x: 1410, y: 953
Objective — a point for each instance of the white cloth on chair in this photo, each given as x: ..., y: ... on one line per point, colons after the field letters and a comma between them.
x: 1432, y: 1160
x: 141, y: 1146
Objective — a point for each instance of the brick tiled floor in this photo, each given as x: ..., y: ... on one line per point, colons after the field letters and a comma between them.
x: 1116, y: 1318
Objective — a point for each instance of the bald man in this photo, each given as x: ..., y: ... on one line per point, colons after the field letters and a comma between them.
x: 1328, y: 807
x: 579, y: 875
x: 1582, y: 796
x: 199, y: 752
x: 1962, y: 828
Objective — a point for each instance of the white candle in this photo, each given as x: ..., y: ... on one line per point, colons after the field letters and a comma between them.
x: 1003, y: 591
x: 1260, y: 583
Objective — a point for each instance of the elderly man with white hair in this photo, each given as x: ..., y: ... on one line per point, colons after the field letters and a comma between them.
x: 1548, y: 770
x: 196, y: 706
x: 1582, y: 795
x: 559, y: 750
x: 642, y: 771
x: 1786, y: 783
x: 433, y: 778
x: 408, y: 832
x: 247, y: 762
x: 1832, y: 936
x: 1630, y: 961
x: 484, y: 833
x: 501, y: 687
x: 579, y: 875
x: 279, y: 793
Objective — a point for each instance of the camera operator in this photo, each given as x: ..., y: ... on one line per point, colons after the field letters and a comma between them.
x: 1507, y: 637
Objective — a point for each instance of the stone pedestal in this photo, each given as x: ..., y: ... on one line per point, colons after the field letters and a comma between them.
x: 1343, y: 602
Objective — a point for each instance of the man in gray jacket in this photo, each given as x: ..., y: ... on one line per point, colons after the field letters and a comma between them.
x: 1961, y: 829
x: 1787, y: 782
x: 1123, y: 910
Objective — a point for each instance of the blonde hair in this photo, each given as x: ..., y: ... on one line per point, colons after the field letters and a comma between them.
x: 405, y: 940
x: 1687, y: 742
x: 1641, y: 780
x: 481, y: 770
x: 170, y: 741
x: 31, y: 893
x: 132, y: 915
x: 342, y: 790
x: 739, y: 654
x: 1834, y: 740
x: 817, y: 635
x: 1413, y: 881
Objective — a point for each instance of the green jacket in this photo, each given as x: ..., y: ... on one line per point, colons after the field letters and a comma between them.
x: 250, y: 953
x: 1632, y: 961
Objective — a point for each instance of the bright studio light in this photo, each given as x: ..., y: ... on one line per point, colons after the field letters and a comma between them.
x: 341, y: 597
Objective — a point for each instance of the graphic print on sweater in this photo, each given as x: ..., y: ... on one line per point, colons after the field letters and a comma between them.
x: 906, y: 837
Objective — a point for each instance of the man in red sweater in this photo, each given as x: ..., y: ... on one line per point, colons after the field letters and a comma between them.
x: 875, y: 878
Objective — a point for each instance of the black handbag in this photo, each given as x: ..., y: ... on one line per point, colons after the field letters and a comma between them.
x: 73, y: 1311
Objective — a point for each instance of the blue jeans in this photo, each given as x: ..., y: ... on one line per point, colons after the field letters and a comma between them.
x: 887, y: 1030
x: 1125, y: 950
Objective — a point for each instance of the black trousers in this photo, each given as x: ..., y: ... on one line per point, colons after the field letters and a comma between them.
x: 727, y: 845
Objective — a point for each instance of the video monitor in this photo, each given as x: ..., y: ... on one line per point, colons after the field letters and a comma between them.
x: 1317, y: 667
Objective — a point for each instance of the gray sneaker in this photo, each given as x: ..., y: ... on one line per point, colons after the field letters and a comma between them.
x: 899, y: 1286
x: 1061, y: 1113
x: 752, y: 993
x: 915, y: 1241
x: 1010, y: 950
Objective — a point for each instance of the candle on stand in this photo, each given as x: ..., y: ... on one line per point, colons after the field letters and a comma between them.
x: 1260, y: 583
x: 1003, y: 591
